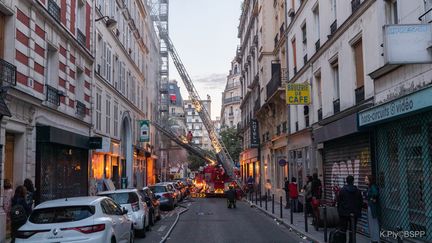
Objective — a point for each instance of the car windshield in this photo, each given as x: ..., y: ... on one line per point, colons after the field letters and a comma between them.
x: 61, y: 214
x: 123, y: 198
x: 158, y: 189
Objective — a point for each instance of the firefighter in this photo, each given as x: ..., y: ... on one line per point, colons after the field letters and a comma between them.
x: 231, y: 197
x: 189, y: 137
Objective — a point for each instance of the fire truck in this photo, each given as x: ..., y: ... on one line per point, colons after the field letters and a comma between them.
x: 213, y: 181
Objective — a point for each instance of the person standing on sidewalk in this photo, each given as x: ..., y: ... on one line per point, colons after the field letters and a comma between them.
x: 350, y: 203
x: 286, y: 189
x: 372, y: 196
x: 308, y: 194
x: 316, y: 199
x: 293, y: 194
x: 268, y: 187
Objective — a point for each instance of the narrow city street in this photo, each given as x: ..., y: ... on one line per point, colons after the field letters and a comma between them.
x: 209, y: 220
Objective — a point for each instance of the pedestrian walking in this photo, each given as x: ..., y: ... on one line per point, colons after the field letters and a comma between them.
x: 250, y: 184
x: 286, y: 189
x: 268, y: 187
x: 372, y: 196
x: 7, y: 201
x: 293, y: 194
x: 20, y: 210
x: 30, y: 192
x: 308, y: 194
x: 350, y: 202
x: 316, y: 199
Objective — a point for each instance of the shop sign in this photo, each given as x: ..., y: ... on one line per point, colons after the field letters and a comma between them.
x: 144, y: 130
x: 105, y: 146
x: 95, y: 143
x: 413, y: 102
x: 298, y: 94
x: 254, y: 134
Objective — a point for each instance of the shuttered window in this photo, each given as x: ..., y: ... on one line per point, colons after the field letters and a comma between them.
x: 358, y: 58
x: 294, y: 51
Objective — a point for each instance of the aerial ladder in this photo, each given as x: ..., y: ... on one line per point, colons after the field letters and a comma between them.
x: 182, y: 142
x: 222, y: 153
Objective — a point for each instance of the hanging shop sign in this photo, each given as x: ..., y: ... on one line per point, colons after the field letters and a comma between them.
x: 413, y: 102
x: 254, y: 134
x: 105, y: 145
x: 144, y: 130
x: 298, y: 94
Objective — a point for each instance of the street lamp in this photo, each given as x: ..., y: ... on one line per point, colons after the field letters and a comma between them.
x: 110, y: 23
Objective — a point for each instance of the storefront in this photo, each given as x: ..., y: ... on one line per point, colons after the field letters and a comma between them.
x: 249, y: 164
x: 403, y: 130
x: 106, y: 165
x: 346, y: 151
x: 279, y: 172
x: 61, y: 164
x: 299, y: 157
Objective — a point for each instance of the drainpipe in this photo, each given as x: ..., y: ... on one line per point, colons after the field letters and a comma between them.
x: 287, y: 74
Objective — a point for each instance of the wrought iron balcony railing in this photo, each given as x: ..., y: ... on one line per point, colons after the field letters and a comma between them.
x: 274, y: 84
x: 355, y: 5
x: 359, y: 94
x: 81, y: 38
x: 336, y: 106
x: 232, y: 100
x: 317, y: 45
x: 53, y: 95
x: 333, y: 27
x: 7, y: 73
x: 54, y: 10
x: 320, y: 115
x: 80, y: 109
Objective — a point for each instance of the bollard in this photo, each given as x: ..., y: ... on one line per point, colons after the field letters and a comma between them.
x: 353, y: 228
x: 256, y: 197
x: 266, y: 196
x: 272, y: 203
x: 291, y: 215
x: 325, y: 223
x: 399, y: 237
x: 305, y: 216
x: 281, y: 207
x: 260, y: 197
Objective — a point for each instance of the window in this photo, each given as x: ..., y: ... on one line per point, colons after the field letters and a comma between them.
x: 333, y: 8
x: 122, y: 77
x: 319, y: 90
x: 116, y: 117
x: 52, y: 66
x: 108, y: 114
x: 336, y: 91
x: 392, y: 12
x: 108, y: 64
x: 294, y: 53
x: 317, y: 22
x: 98, y: 109
x: 80, y: 20
x: 116, y: 73
x: 303, y: 29
x: 358, y: 59
x: 79, y: 89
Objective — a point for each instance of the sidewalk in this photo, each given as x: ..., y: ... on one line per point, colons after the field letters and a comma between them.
x: 299, y: 222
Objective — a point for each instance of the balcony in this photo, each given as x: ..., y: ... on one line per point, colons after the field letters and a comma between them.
x: 80, y: 109
x: 53, y: 95
x: 355, y: 5
x: 54, y: 10
x: 232, y: 100
x: 333, y: 27
x: 336, y: 106
x: 320, y: 115
x: 81, y: 38
x: 7, y: 73
x: 305, y: 59
x: 317, y: 45
x: 274, y: 84
x: 359, y: 94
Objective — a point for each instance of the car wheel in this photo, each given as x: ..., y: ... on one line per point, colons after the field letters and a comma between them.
x: 142, y: 232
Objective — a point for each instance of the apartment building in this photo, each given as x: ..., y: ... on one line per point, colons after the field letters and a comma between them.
x: 195, y: 124
x: 231, y: 98
x: 125, y: 94
x: 46, y: 62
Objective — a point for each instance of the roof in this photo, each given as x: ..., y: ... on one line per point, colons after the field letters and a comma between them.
x: 72, y: 201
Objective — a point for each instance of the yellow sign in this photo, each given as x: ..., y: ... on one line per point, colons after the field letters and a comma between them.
x: 298, y: 94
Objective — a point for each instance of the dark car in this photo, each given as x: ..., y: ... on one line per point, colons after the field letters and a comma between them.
x: 153, y: 204
x: 166, y: 194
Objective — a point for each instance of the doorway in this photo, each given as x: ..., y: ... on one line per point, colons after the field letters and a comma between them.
x: 9, y: 156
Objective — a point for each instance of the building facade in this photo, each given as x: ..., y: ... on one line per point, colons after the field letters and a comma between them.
x: 46, y: 53
x: 195, y: 124
x: 125, y: 93
x: 231, y: 98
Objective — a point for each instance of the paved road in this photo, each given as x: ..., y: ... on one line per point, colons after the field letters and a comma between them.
x: 209, y: 220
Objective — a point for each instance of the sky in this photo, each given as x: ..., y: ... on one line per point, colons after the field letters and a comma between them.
x: 204, y: 33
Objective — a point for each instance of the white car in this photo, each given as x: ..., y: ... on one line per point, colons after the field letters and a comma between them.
x: 138, y: 210
x: 78, y: 220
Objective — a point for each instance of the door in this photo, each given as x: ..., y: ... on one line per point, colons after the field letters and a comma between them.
x: 9, y: 155
x: 110, y: 210
x: 122, y: 221
x: 2, y: 25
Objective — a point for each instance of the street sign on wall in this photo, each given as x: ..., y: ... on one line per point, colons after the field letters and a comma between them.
x: 298, y: 94
x: 407, y: 43
x: 144, y: 130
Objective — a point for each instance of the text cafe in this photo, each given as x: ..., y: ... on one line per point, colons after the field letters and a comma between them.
x: 403, y: 159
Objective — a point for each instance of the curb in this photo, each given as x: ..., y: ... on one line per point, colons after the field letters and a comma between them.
x: 290, y: 227
x: 173, y: 225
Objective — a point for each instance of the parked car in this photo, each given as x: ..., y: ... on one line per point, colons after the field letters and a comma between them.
x: 78, y: 219
x: 137, y: 208
x: 166, y: 194
x: 176, y: 189
x: 153, y: 204
x: 182, y: 188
